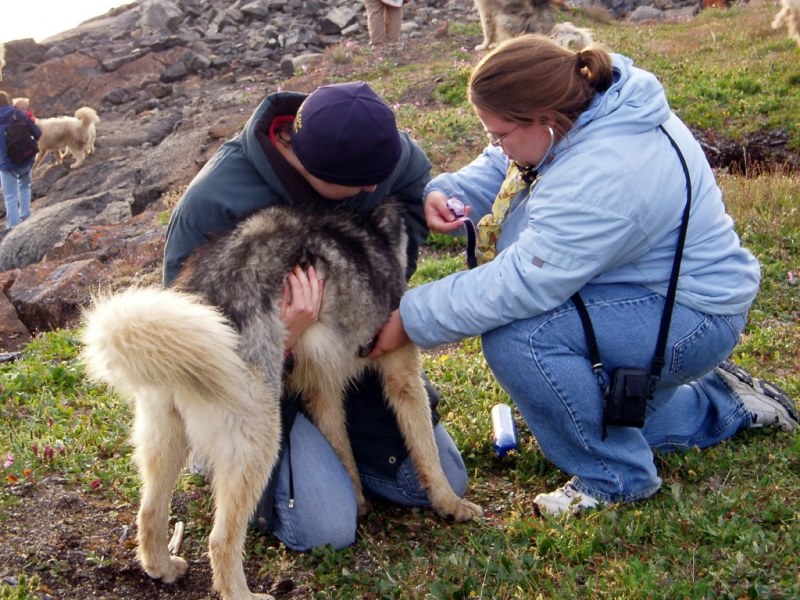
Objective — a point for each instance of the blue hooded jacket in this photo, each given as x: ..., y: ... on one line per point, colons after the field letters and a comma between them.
x: 606, y: 209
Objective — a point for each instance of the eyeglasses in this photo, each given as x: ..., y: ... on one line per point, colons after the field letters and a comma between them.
x: 496, y: 140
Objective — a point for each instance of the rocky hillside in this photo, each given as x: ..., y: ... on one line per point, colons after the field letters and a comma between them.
x: 171, y: 80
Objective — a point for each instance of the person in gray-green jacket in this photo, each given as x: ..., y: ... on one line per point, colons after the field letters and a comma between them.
x: 340, y: 143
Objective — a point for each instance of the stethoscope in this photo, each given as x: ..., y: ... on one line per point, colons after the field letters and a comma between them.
x: 456, y: 206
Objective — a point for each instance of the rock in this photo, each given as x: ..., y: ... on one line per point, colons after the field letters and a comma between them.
x: 29, y: 242
x: 48, y: 295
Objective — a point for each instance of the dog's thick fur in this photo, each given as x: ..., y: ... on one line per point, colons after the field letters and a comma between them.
x: 789, y: 15
x: 74, y: 135
x: 505, y: 19
x: 204, y: 365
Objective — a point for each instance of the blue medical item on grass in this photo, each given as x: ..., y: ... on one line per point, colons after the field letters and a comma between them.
x: 505, y: 431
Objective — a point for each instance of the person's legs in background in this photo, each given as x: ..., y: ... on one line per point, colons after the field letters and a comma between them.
x: 376, y: 24
x: 24, y: 183
x: 393, y: 18
x: 10, y: 185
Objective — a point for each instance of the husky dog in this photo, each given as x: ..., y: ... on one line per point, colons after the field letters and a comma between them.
x: 789, y: 15
x: 74, y: 135
x: 204, y: 364
x: 504, y: 19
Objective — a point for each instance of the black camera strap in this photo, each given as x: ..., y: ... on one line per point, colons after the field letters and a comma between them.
x: 661, y: 343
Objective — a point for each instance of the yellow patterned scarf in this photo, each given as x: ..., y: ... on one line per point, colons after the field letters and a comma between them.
x: 489, y: 226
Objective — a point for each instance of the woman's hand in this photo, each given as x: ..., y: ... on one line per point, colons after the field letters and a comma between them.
x: 391, y: 337
x: 438, y: 216
x: 301, y: 300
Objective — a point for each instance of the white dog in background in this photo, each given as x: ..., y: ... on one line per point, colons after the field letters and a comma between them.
x: 789, y: 15
x: 74, y: 135
x: 2, y: 59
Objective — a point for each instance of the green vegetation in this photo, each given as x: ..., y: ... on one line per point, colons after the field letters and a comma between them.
x: 726, y: 524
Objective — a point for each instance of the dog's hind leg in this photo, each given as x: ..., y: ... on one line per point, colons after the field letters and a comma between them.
x: 80, y: 156
x: 779, y: 19
x: 794, y: 25
x: 408, y: 399
x: 241, y: 444
x: 161, y: 451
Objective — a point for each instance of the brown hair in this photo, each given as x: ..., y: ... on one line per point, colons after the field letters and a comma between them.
x: 529, y: 75
x: 4, y: 99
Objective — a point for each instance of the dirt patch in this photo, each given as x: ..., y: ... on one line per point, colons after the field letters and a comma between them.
x: 83, y: 546
x: 761, y: 152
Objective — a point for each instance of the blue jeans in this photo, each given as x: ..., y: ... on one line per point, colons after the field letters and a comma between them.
x: 17, y: 195
x: 543, y: 364
x: 325, y: 509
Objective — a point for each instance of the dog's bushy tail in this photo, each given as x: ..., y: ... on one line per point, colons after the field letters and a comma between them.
x: 156, y: 338
x: 87, y: 116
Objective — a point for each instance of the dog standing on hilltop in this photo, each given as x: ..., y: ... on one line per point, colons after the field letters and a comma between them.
x: 789, y: 15
x: 74, y: 135
x: 504, y: 19
x: 204, y: 363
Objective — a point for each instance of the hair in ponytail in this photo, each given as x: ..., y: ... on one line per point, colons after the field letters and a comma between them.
x: 531, y: 75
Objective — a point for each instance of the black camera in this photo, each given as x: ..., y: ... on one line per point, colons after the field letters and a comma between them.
x: 626, y: 399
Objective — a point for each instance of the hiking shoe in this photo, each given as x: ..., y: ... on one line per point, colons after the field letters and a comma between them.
x: 566, y: 498
x: 767, y: 404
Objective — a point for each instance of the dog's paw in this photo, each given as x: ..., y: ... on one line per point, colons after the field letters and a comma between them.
x: 168, y: 571
x: 482, y: 46
x: 363, y: 507
x: 460, y: 510
x: 262, y: 597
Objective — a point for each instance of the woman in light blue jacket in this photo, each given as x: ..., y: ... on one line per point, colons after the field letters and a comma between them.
x: 581, y: 190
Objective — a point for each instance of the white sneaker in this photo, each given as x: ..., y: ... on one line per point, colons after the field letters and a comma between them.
x: 566, y: 498
x: 767, y: 404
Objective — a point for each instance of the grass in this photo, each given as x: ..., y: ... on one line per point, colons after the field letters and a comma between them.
x: 726, y: 522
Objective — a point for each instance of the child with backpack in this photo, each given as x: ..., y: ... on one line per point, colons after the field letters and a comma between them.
x: 24, y: 105
x: 18, y: 148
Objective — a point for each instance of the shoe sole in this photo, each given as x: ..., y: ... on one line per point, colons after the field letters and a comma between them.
x: 790, y: 417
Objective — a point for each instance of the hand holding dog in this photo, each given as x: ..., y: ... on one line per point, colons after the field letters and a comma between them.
x: 301, y: 300
x: 439, y: 217
x: 392, y: 336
